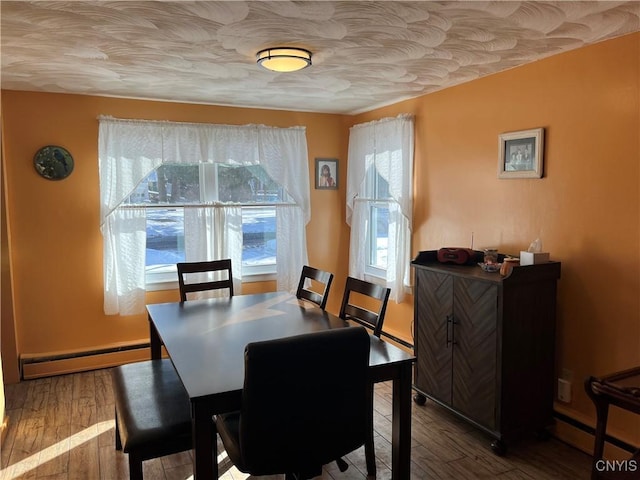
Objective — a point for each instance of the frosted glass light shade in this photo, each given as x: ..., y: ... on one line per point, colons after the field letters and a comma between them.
x: 284, y: 59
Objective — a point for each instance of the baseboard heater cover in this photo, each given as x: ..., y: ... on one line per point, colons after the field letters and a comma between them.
x: 35, y: 366
x: 592, y: 431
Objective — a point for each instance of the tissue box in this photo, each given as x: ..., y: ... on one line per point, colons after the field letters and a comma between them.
x: 531, y: 258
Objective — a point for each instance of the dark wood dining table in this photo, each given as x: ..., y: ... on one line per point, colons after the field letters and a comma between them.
x: 205, y: 340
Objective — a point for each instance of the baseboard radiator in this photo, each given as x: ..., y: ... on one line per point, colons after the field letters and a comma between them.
x: 59, y: 363
x: 581, y: 435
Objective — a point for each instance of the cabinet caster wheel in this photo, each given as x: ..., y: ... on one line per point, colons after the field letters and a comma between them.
x: 419, y: 399
x: 499, y: 448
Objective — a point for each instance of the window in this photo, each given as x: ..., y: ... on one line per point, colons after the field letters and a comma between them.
x: 378, y: 234
x: 171, y: 188
x: 213, y: 178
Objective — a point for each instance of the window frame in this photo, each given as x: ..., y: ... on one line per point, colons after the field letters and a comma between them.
x: 372, y: 268
x: 164, y: 276
x: 374, y: 202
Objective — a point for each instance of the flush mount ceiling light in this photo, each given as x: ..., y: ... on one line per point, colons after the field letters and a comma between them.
x: 284, y: 59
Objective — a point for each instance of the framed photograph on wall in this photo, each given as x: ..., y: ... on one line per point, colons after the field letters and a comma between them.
x: 327, y: 173
x: 521, y: 154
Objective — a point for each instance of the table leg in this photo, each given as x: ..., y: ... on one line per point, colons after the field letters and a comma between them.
x: 401, y: 427
x: 205, y: 461
x: 156, y: 343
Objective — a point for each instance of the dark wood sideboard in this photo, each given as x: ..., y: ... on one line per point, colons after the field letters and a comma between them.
x: 485, y: 344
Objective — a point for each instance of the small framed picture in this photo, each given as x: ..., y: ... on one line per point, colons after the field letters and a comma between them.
x: 327, y: 173
x: 521, y: 154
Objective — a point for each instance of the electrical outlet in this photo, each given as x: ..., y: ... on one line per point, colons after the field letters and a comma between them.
x: 564, y: 390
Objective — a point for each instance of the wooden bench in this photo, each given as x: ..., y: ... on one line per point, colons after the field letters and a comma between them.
x: 152, y: 412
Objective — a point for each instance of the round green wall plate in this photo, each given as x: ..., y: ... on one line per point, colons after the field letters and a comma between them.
x: 53, y: 162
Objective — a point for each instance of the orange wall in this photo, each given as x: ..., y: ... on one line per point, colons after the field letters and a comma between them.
x: 55, y: 237
x: 586, y: 209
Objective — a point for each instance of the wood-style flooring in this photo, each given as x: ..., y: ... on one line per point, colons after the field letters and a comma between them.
x: 62, y: 428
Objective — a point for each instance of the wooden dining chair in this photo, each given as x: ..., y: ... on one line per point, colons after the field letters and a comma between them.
x: 353, y: 308
x: 302, y: 404
x: 322, y: 278
x: 215, y: 267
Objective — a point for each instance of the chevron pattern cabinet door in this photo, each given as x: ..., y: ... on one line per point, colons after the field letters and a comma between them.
x: 474, y: 353
x: 434, y: 306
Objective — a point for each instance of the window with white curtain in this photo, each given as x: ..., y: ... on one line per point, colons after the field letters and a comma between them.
x: 200, y: 186
x: 380, y: 202
x: 171, y: 188
x: 377, y: 246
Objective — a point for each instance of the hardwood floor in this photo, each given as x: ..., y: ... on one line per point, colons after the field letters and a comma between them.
x: 62, y: 428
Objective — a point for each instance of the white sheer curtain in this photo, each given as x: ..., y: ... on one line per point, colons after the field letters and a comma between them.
x: 124, y: 231
x: 131, y: 149
x: 386, y: 144
x: 214, y: 232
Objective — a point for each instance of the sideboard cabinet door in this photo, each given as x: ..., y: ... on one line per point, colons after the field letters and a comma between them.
x: 474, y: 350
x: 433, y: 347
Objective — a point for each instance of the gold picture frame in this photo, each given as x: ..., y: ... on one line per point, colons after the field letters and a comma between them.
x: 521, y: 154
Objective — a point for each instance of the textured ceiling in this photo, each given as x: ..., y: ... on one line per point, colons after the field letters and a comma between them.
x: 365, y: 54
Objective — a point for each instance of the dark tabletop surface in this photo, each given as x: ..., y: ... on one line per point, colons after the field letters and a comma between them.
x: 206, y: 338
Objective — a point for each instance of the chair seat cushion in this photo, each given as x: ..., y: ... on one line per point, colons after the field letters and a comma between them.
x: 152, y: 407
x: 228, y: 426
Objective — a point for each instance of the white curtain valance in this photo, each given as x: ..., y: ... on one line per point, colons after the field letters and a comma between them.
x: 131, y: 149
x: 387, y: 143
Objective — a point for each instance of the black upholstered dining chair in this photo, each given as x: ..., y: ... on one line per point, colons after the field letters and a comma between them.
x: 323, y: 280
x: 152, y: 412
x: 355, y: 310
x: 185, y: 269
x: 302, y: 404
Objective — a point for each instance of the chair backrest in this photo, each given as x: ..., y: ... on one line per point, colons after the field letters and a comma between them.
x: 304, y: 400
x: 360, y: 314
x: 320, y: 276
x: 208, y: 284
